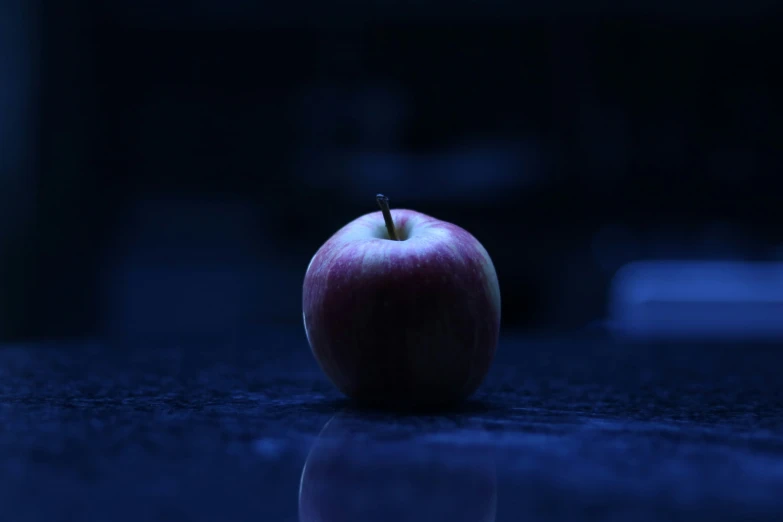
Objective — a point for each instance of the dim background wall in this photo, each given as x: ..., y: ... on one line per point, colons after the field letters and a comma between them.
x: 172, y: 167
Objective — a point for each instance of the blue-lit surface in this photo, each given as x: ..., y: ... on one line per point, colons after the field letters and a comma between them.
x: 584, y: 429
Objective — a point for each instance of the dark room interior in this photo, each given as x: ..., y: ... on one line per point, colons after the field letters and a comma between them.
x: 168, y: 171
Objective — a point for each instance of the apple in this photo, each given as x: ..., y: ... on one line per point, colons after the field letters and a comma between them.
x: 402, y: 309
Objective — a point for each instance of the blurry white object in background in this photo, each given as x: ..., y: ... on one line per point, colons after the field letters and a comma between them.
x: 698, y: 300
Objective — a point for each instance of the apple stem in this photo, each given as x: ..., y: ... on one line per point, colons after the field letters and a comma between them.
x: 383, y: 202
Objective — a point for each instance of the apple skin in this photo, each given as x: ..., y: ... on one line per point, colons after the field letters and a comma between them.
x: 409, y: 323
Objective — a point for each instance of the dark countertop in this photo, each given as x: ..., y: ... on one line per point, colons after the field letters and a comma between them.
x: 582, y: 429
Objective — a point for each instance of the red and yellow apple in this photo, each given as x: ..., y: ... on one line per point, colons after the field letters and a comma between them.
x: 402, y: 309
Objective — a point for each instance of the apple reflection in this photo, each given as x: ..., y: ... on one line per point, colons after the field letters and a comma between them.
x: 357, y: 471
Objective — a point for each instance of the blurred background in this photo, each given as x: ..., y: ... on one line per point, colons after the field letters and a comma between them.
x: 171, y: 167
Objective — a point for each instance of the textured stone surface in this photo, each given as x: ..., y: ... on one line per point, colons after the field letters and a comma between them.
x: 562, y: 430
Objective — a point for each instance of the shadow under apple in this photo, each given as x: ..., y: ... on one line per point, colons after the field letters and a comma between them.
x: 359, y: 470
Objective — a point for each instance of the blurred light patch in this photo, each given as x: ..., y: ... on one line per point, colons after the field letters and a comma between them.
x: 379, y: 113
x: 18, y: 108
x: 19, y: 65
x: 697, y: 300
x: 188, y: 268
x: 468, y: 173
